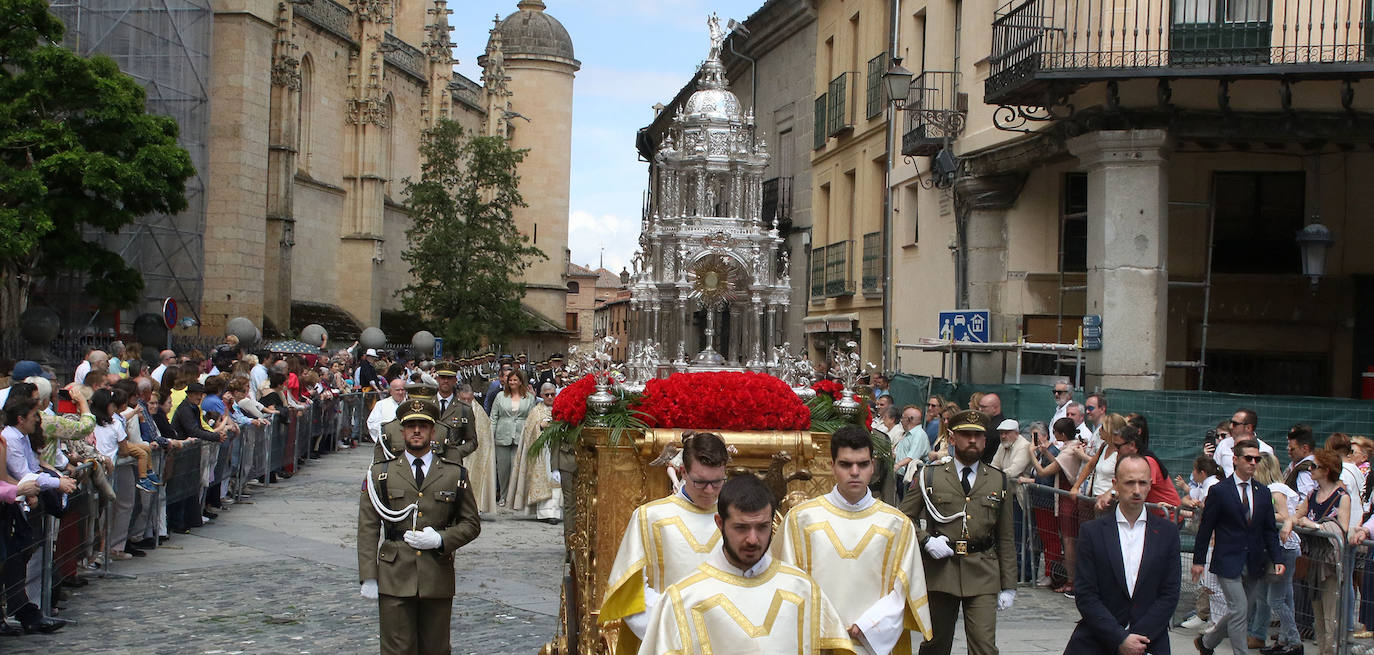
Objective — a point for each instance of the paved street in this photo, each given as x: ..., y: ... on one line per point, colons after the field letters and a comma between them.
x: 279, y: 576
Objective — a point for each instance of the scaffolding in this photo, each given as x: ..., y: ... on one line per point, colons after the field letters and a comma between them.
x: 165, y: 46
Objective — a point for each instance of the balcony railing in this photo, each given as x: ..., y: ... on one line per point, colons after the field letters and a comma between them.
x: 777, y: 203
x: 837, y: 258
x: 818, y: 131
x: 873, y: 264
x: 936, y: 111
x: 1047, y: 47
x: 818, y: 273
x: 840, y: 107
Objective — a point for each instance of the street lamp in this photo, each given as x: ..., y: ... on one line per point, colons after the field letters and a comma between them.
x: 897, y: 81
x: 1314, y: 240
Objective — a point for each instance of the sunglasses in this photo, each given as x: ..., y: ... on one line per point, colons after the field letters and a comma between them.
x: 1235, y: 423
x: 1090, y: 408
x: 1059, y: 391
x: 1251, y: 458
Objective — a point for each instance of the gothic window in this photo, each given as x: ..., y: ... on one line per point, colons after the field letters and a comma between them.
x: 304, y: 108
x: 388, y: 142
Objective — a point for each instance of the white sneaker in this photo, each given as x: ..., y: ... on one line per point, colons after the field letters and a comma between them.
x: 1044, y: 582
x: 1193, y: 623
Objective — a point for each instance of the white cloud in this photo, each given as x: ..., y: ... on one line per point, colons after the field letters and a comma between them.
x: 589, y: 233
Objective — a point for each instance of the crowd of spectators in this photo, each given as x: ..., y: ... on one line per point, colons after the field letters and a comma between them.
x: 123, y: 404
x: 1066, y: 467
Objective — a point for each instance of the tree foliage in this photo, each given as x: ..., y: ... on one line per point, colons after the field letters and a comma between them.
x: 77, y: 151
x: 466, y: 256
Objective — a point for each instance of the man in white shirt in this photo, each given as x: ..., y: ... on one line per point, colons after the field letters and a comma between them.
x: 1095, y: 409
x: 1298, y: 477
x: 1085, y: 433
x: 97, y: 360
x: 165, y: 358
x: 1243, y: 424
x: 385, y: 410
x: 1063, y: 395
x: 1133, y: 618
x: 257, y: 377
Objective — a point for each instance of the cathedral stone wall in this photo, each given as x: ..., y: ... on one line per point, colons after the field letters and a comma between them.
x: 236, y: 199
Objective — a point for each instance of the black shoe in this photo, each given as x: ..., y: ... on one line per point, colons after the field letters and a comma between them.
x: 1295, y: 650
x: 129, y: 548
x: 1197, y: 643
x: 211, y: 514
x: 144, y: 544
x: 8, y: 629
x: 163, y: 539
x: 44, y: 626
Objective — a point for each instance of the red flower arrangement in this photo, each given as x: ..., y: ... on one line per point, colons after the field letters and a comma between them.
x: 723, y: 400
x: 829, y: 387
x: 571, y: 404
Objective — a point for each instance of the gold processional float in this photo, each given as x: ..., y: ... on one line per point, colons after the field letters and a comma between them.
x: 711, y: 276
x: 622, y: 467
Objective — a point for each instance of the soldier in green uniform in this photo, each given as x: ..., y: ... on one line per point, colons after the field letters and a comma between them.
x: 393, y: 441
x: 457, y: 416
x: 962, y: 511
x: 416, y: 510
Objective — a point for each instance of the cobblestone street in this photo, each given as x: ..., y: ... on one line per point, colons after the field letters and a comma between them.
x: 279, y: 576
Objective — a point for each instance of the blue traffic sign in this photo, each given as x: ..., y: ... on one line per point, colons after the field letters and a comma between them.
x: 438, y: 348
x: 1092, y: 320
x: 965, y: 325
x: 1092, y: 343
x: 1092, y: 331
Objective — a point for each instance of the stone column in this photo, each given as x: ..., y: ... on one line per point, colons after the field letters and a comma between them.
x: 989, y: 196
x: 1128, y: 236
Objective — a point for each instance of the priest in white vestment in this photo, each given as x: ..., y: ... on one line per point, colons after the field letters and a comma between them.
x: 862, y: 552
x: 666, y: 539
x: 481, y: 463
x: 742, y: 600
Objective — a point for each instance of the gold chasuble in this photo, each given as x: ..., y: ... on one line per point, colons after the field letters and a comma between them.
x: 866, y: 560
x: 665, y: 541
x: 772, y: 608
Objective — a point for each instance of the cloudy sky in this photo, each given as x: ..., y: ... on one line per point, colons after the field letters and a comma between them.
x: 634, y: 53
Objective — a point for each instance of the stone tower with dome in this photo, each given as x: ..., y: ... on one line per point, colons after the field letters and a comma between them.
x: 528, y: 72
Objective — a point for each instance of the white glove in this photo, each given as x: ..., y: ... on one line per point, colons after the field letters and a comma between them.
x: 425, y: 539
x: 1005, y: 598
x: 370, y: 589
x: 938, y: 547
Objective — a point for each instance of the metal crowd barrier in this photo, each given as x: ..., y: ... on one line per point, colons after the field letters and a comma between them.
x: 1045, y: 547
x: 79, y: 544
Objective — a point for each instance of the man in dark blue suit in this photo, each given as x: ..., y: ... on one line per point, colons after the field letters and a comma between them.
x: 1240, y: 514
x: 1127, y: 576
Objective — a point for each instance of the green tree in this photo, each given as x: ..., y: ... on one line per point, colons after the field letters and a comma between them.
x: 466, y: 256
x: 77, y: 151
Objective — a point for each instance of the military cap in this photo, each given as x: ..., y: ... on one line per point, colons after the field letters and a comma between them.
x: 557, y: 357
x: 421, y: 390
x: 418, y: 409
x: 971, y: 420
x: 446, y: 368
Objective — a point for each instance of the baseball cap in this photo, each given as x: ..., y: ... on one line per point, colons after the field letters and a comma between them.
x: 28, y: 368
x: 371, y: 352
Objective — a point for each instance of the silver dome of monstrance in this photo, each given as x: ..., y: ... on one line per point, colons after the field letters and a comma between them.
x: 710, y: 289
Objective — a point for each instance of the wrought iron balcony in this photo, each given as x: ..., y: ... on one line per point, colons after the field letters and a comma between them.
x: 837, y: 279
x: 936, y: 112
x: 1042, y: 50
x: 777, y: 203
x: 840, y: 103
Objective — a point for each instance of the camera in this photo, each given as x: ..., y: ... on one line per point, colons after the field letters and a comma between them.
x: 64, y: 394
x: 1210, y: 438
